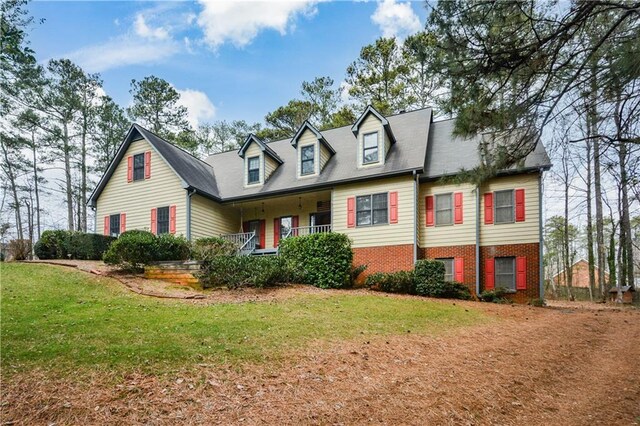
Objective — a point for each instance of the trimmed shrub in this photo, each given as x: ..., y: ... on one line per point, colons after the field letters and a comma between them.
x: 394, y: 282
x: 323, y: 260
x: 72, y: 245
x: 429, y: 279
x: 497, y: 295
x: 243, y: 271
x: 19, y: 249
x: 205, y: 249
x: 132, y: 250
x: 171, y: 247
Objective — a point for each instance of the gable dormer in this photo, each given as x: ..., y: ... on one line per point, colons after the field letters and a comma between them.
x: 260, y: 161
x: 374, y: 136
x: 312, y: 151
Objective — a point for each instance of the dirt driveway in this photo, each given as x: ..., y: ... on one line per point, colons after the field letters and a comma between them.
x: 536, y: 366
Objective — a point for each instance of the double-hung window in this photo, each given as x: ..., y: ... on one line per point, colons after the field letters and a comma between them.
x: 162, y: 220
x: 253, y: 165
x: 138, y: 167
x: 448, y: 268
x: 444, y: 209
x: 307, y: 159
x: 504, y: 206
x: 114, y: 225
x: 372, y: 209
x: 370, y: 148
x: 505, y: 272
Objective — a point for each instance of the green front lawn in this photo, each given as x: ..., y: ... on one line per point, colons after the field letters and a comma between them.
x: 60, y: 319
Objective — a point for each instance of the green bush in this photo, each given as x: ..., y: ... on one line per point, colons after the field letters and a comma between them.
x: 205, y: 249
x: 323, y: 260
x: 171, y: 247
x: 393, y: 282
x: 429, y: 279
x: 72, y: 245
x: 132, y: 250
x: 497, y: 295
x: 243, y: 271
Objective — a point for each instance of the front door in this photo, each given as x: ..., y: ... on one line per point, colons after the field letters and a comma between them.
x: 254, y: 226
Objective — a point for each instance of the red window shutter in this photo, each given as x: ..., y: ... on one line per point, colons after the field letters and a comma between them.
x: 130, y: 169
x: 107, y: 225
x: 393, y: 207
x: 519, y: 205
x: 351, y: 212
x: 295, y: 222
x: 154, y: 221
x: 458, y: 268
x: 263, y: 233
x: 276, y: 231
x: 489, y: 277
x: 428, y: 202
x: 521, y: 273
x: 457, y: 202
x: 123, y: 222
x: 172, y: 219
x: 147, y: 164
x: 488, y: 208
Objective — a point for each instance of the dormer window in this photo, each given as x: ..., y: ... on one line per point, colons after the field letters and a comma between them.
x: 370, y: 148
x: 307, y: 160
x: 253, y: 165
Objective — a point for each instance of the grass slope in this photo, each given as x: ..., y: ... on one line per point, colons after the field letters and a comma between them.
x: 60, y: 319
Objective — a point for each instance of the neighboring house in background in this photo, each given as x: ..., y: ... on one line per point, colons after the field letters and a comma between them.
x: 378, y: 181
x: 580, y: 276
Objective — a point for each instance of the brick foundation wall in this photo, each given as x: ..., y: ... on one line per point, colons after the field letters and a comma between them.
x: 383, y: 259
x: 467, y: 252
x: 531, y: 252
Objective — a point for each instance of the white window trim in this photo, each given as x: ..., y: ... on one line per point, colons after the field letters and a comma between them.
x: 371, y: 224
x: 495, y: 207
x: 316, y: 161
x: 435, y: 209
x: 260, y: 170
x: 372, y: 163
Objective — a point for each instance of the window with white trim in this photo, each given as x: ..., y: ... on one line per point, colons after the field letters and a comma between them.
x: 370, y: 148
x: 449, y: 268
x: 253, y: 166
x: 372, y: 209
x: 505, y: 273
x: 307, y: 160
x: 444, y: 209
x: 504, y: 206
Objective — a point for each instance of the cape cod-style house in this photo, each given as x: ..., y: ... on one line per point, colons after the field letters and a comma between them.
x: 377, y: 181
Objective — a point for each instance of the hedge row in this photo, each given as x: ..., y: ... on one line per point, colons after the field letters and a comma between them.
x: 427, y: 279
x: 72, y: 245
x: 134, y: 249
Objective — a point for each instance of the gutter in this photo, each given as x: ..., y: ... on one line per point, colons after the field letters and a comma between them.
x: 415, y: 216
x: 189, y: 194
x: 540, y: 259
x: 477, y: 240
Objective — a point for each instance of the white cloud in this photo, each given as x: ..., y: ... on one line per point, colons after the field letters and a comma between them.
x: 144, y: 30
x: 239, y: 22
x: 198, y: 104
x: 396, y: 19
x: 123, y: 51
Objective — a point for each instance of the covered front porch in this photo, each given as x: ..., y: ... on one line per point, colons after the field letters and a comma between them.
x: 265, y: 222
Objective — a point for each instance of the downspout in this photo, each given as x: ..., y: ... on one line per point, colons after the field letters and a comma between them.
x: 95, y: 220
x: 477, y: 240
x: 540, y: 260
x: 415, y: 217
x: 189, y: 194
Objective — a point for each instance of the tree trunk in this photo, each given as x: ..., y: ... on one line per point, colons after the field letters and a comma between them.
x: 35, y: 182
x: 67, y: 176
x: 590, y: 253
x: 625, y: 220
x: 82, y: 219
x: 14, y: 189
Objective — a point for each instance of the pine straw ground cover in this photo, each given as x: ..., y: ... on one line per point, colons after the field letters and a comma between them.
x: 307, y: 360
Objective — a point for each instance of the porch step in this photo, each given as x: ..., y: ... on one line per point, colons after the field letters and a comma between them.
x: 264, y: 252
x: 181, y: 273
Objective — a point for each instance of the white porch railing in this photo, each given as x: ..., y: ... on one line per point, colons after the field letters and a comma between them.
x: 245, y: 241
x: 307, y: 230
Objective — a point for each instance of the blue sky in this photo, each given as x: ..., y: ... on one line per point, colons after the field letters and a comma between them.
x: 229, y: 60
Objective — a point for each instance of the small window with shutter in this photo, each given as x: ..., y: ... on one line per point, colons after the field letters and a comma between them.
x: 504, y: 206
x: 162, y: 218
x: 138, y: 167
x: 114, y: 225
x: 505, y: 273
x: 448, y: 268
x: 444, y: 209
